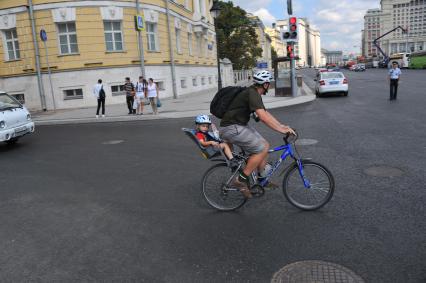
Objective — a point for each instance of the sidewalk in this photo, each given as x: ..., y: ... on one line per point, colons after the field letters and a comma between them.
x: 184, y: 106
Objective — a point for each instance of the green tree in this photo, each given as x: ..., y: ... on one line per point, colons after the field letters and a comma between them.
x: 237, y: 39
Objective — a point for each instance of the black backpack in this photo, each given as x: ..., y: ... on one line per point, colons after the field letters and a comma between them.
x: 223, y: 99
x: 102, y: 93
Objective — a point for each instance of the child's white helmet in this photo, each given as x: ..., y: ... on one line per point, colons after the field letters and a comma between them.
x: 203, y: 119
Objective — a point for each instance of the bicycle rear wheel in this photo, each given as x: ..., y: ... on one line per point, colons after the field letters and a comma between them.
x: 320, y: 188
x: 216, y: 189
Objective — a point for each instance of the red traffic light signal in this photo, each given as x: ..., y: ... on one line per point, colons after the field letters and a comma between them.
x: 290, y: 53
x: 292, y: 27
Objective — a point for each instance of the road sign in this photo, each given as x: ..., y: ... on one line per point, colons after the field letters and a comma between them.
x: 43, y: 35
x: 262, y: 65
x: 139, y: 22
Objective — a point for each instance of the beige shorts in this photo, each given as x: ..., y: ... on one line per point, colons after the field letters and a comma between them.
x: 246, y: 137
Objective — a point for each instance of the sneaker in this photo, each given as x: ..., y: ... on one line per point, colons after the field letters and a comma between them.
x: 97, y: 116
x: 103, y: 116
x: 243, y: 187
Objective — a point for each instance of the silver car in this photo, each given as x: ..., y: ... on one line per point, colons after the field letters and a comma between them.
x: 15, y: 120
x: 331, y: 82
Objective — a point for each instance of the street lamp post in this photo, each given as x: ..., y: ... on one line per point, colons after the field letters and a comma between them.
x: 215, y: 12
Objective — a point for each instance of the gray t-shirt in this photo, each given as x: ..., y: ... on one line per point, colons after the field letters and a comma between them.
x: 246, y: 102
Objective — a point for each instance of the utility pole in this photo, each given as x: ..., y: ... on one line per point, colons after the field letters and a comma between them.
x: 172, y: 58
x: 140, y: 44
x: 37, y: 57
x: 292, y: 59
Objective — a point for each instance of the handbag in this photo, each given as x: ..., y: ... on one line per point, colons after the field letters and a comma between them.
x: 135, y: 104
x: 158, y: 102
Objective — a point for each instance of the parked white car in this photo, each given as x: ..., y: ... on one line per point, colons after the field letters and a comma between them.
x: 15, y: 120
x: 331, y: 82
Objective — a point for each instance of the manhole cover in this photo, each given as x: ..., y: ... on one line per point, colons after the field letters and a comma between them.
x: 113, y: 142
x: 306, y: 142
x: 315, y: 271
x: 383, y: 171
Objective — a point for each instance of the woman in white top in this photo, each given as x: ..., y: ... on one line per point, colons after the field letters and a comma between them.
x: 140, y: 95
x: 152, y: 91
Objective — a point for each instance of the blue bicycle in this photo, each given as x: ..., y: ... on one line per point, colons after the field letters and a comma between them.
x: 307, y: 185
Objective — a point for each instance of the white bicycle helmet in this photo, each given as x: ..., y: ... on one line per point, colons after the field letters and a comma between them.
x: 203, y: 119
x: 262, y: 77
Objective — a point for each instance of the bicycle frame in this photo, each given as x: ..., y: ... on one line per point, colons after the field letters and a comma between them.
x: 287, y: 151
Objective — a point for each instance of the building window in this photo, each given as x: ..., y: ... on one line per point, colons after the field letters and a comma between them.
x: 178, y: 45
x: 199, y: 45
x: 160, y: 85
x: 113, y: 36
x: 183, y: 83
x: 73, y: 93
x: 194, y: 81
x: 210, y: 80
x: 117, y: 90
x: 190, y: 43
x: 203, y: 80
x: 20, y: 97
x: 206, y: 48
x: 67, y: 38
x: 12, y: 44
x: 151, y: 33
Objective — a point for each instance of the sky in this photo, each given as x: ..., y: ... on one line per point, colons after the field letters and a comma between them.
x: 339, y: 21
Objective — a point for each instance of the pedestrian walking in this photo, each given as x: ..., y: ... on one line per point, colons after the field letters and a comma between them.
x: 394, y: 76
x: 129, y: 88
x: 99, y: 93
x: 152, y: 91
x: 141, y: 94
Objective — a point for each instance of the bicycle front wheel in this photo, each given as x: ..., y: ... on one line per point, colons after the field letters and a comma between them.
x: 217, y: 191
x: 310, y: 188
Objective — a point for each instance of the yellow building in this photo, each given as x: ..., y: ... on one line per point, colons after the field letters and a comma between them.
x: 265, y: 61
x: 276, y: 40
x: 88, y: 40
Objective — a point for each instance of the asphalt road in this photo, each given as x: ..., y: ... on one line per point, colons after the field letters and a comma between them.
x: 121, y: 201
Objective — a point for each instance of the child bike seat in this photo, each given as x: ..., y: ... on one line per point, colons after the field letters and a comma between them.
x: 206, y: 152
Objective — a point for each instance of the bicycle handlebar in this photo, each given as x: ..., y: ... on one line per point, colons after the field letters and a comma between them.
x: 289, y: 135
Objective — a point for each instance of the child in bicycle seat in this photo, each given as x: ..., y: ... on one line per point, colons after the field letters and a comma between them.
x: 202, y: 126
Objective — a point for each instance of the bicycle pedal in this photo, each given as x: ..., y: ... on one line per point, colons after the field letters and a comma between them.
x: 257, y: 191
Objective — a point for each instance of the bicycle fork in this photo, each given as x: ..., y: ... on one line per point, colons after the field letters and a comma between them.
x: 306, y: 182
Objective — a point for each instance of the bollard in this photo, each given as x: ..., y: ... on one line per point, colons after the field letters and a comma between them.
x: 299, y: 80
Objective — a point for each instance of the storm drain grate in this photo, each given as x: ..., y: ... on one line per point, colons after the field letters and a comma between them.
x: 315, y: 271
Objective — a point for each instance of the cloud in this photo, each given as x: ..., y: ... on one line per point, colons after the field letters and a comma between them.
x: 265, y: 16
x: 341, y: 21
x: 251, y: 6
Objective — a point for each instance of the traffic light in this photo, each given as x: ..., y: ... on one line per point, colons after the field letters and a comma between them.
x: 292, y: 34
x: 292, y: 28
x: 286, y: 36
x: 290, y: 53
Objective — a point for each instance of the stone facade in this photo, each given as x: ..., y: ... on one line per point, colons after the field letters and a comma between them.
x: 88, y: 40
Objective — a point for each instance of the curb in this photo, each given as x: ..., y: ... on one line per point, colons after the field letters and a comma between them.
x: 172, y: 115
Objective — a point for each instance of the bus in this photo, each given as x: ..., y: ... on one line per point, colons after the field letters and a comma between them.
x: 403, y: 60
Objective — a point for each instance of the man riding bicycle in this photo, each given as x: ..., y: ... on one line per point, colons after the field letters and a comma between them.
x: 234, y: 128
